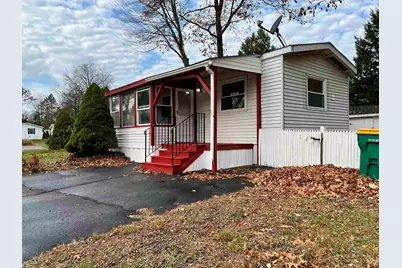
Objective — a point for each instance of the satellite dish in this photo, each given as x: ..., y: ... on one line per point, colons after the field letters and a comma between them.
x: 274, y: 29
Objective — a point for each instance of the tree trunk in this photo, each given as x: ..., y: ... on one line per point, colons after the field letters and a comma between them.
x: 219, y: 33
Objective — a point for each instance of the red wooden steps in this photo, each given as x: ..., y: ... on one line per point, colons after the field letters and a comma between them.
x: 163, y: 161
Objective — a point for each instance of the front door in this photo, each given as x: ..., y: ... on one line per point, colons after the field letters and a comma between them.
x: 184, y: 108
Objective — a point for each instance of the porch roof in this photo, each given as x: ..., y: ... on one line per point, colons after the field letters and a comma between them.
x: 248, y: 63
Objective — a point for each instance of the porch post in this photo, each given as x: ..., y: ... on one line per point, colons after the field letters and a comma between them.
x: 214, y: 137
x: 151, y: 112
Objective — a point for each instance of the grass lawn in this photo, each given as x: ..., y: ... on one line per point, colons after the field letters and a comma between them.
x: 46, y: 156
x: 252, y: 228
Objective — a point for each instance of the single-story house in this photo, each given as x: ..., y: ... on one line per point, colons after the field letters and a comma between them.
x: 31, y: 131
x: 364, y: 116
x: 208, y: 115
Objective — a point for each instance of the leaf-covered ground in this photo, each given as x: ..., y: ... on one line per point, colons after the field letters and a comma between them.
x: 262, y: 226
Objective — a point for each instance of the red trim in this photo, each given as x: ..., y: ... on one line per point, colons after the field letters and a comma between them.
x: 126, y: 87
x: 162, y: 85
x: 215, y: 141
x: 120, y: 111
x: 258, y: 115
x: 152, y: 111
x: 203, y: 84
x: 229, y: 146
x: 135, y: 107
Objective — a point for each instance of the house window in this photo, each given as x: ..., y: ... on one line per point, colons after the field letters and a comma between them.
x: 31, y: 131
x: 127, y: 108
x: 233, y: 96
x: 164, y: 107
x: 115, y: 110
x: 143, y: 111
x: 316, y: 93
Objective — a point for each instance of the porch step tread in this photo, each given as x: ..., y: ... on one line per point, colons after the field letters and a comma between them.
x: 170, y: 157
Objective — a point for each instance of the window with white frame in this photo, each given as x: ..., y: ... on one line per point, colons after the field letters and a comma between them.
x: 164, y: 107
x: 31, y: 131
x: 316, y: 93
x: 115, y: 109
x: 143, y: 107
x: 233, y: 95
x: 127, y: 107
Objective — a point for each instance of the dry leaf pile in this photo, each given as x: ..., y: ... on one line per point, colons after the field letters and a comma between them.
x: 313, y: 181
x: 112, y: 159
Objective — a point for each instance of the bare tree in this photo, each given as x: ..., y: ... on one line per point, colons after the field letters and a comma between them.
x: 154, y: 25
x: 76, y: 83
x: 27, y: 96
x: 212, y: 18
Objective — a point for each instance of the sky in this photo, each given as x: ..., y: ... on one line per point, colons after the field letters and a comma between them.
x: 58, y: 34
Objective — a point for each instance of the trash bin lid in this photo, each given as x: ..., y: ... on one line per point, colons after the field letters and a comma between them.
x: 369, y: 131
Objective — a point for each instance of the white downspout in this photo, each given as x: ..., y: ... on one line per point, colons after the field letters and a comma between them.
x: 212, y: 116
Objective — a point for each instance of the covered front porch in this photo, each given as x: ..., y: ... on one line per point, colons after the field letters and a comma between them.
x: 200, y: 117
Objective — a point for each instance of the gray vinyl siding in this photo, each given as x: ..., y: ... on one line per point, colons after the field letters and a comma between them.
x: 250, y: 63
x: 271, y: 93
x: 296, y: 112
x: 234, y: 126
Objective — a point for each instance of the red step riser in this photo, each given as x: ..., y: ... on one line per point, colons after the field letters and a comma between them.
x: 191, y: 148
x: 156, y: 159
x: 169, y: 153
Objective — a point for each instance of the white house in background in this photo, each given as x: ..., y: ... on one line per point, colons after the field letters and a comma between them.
x: 31, y: 131
x: 208, y: 115
x: 51, y: 129
x: 358, y: 121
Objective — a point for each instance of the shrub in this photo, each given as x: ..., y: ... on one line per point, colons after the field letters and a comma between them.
x: 93, y: 131
x: 63, y: 127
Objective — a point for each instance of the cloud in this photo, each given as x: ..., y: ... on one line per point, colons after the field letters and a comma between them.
x: 59, y: 34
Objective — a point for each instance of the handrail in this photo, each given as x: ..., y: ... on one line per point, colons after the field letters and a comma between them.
x: 159, y: 139
x: 189, y: 131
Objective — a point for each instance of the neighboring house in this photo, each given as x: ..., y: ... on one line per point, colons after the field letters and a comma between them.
x: 364, y: 116
x: 208, y: 115
x: 31, y: 131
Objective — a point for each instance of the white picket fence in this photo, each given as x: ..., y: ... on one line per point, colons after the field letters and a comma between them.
x: 279, y: 148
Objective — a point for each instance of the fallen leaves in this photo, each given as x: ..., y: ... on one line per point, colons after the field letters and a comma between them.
x: 111, y: 159
x: 312, y: 181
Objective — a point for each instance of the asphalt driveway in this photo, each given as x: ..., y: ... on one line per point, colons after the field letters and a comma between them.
x: 66, y: 205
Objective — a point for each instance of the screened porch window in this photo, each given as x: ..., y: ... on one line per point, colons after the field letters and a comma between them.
x: 128, y: 109
x: 143, y: 107
x: 316, y: 93
x: 164, y: 107
x: 233, y: 96
x: 115, y: 110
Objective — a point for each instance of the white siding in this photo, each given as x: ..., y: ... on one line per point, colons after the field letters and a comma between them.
x: 202, y: 162
x: 296, y: 113
x: 271, y: 93
x: 364, y: 122
x: 131, y: 142
x: 235, y: 158
x: 250, y: 63
x: 226, y: 159
x: 234, y: 126
x: 38, y: 132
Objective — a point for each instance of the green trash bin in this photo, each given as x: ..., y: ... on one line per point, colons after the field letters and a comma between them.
x: 369, y: 144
